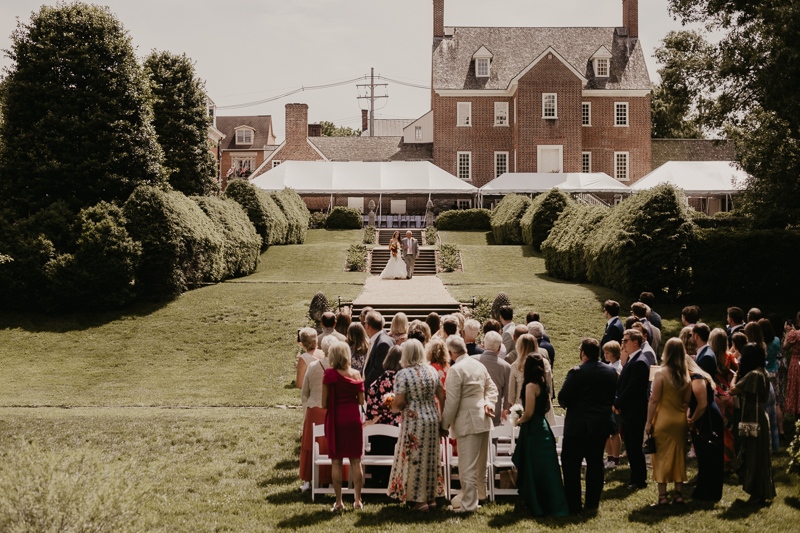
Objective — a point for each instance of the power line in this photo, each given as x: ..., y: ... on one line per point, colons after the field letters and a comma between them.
x: 290, y: 93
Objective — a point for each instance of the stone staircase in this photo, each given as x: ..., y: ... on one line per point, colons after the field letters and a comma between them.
x: 425, y: 265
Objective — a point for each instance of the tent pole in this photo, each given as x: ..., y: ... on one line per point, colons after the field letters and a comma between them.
x: 380, y: 204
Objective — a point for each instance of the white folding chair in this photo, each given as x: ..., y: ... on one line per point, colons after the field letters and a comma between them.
x: 318, y: 459
x: 374, y: 430
x: 501, y: 449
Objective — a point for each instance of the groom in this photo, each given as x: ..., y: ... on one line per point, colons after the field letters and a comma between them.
x: 410, y: 253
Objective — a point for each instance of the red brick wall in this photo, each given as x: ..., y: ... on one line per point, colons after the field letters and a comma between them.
x: 630, y: 17
x: 297, y: 147
x: 225, y: 164
x: 438, y: 18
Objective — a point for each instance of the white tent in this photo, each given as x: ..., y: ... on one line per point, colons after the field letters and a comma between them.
x: 696, y: 177
x: 360, y: 178
x: 522, y: 183
x: 591, y: 183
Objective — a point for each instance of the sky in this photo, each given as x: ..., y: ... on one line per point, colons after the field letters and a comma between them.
x: 248, y: 50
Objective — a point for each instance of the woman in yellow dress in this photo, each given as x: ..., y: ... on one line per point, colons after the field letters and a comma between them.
x: 666, y: 420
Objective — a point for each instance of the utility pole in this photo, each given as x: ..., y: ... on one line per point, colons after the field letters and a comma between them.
x: 372, y: 98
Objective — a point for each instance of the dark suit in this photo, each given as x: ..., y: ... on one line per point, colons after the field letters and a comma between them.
x: 655, y: 318
x: 473, y: 349
x: 707, y: 360
x: 731, y: 330
x: 614, y: 332
x: 648, y: 328
x: 551, y: 352
x: 588, y: 395
x: 633, y: 393
x: 377, y: 353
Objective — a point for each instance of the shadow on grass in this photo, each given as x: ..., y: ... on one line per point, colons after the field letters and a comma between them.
x: 653, y: 515
x: 287, y: 464
x: 398, y: 513
x: 740, y: 509
x: 33, y: 322
x: 519, y: 513
x: 307, y: 519
x: 792, y: 502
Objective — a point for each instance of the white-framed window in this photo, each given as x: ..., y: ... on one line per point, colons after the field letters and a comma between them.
x: 357, y: 203
x: 549, y: 158
x: 500, y: 163
x: 464, y: 114
x: 621, y: 166
x: 601, y: 68
x: 398, y: 207
x: 620, y: 113
x: 464, y: 204
x: 244, y: 136
x: 275, y: 162
x: 418, y: 132
x: 586, y: 162
x: 549, y: 105
x: 482, y: 67
x: 501, y: 113
x: 465, y: 165
x: 586, y: 113
x: 243, y: 165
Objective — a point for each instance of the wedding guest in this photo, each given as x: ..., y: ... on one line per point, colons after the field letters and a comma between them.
x: 735, y: 322
x: 343, y: 321
x: 308, y: 340
x: 434, y: 323
x: 328, y: 322
x: 718, y: 340
x: 690, y: 315
x: 499, y: 370
x: 359, y: 346
x: 461, y: 321
x: 755, y: 453
x: 688, y: 343
x: 612, y: 353
x: 379, y: 343
x: 532, y: 316
x: 538, y: 477
x: 706, y: 358
x: 588, y: 395
x: 492, y: 325
x: 649, y: 300
x: 518, y: 331
x: 399, y: 329
x: 614, y: 326
x: 647, y: 350
x: 419, y: 330
x: 706, y: 425
x: 362, y: 317
x: 755, y: 334
x: 639, y: 310
x: 449, y: 327
x: 666, y: 421
x: 471, y: 330
x: 342, y: 394
x: 791, y: 344
x: 437, y: 356
x: 739, y: 340
x: 379, y: 412
x: 631, y: 401
x: 537, y: 330
x: 416, y: 472
x: 773, y: 344
x: 507, y: 321
x: 529, y: 345
x: 754, y: 315
x: 468, y: 412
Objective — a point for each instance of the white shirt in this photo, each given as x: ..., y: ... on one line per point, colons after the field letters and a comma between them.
x: 408, y: 246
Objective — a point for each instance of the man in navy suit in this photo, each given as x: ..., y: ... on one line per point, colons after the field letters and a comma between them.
x: 614, y: 328
x: 633, y: 393
x: 648, y: 299
x: 379, y: 344
x: 639, y: 310
x: 706, y: 359
x: 588, y: 395
x: 735, y: 323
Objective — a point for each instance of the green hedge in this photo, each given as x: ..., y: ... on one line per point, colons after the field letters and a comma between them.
x: 431, y: 236
x: 745, y: 265
x: 642, y: 245
x: 318, y: 219
x: 241, y: 244
x: 564, y: 250
x: 296, y: 213
x: 541, y: 215
x: 369, y: 235
x: 264, y: 213
x: 344, y: 218
x: 448, y: 258
x: 464, y: 220
x: 506, y: 219
x: 357, y: 258
x: 180, y: 244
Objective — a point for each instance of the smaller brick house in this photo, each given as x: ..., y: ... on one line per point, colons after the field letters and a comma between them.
x: 247, y: 141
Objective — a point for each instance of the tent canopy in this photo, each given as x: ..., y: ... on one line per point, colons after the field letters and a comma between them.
x: 524, y: 183
x: 696, y: 177
x: 360, y: 178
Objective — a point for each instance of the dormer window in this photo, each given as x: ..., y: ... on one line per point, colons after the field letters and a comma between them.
x: 601, y: 61
x: 244, y: 135
x: 602, y: 68
x: 483, y: 61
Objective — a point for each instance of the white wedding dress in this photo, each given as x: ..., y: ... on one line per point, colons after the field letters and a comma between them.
x: 395, y: 268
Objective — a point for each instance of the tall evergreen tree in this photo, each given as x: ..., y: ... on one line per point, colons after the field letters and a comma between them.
x: 77, y: 116
x: 181, y: 123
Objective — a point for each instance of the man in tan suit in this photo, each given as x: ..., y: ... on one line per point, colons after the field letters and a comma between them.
x: 468, y: 411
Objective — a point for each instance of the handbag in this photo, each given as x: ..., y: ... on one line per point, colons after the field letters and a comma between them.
x: 749, y: 429
x: 705, y: 436
x: 649, y: 446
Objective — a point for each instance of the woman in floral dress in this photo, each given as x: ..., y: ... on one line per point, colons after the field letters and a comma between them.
x: 791, y: 344
x: 416, y: 472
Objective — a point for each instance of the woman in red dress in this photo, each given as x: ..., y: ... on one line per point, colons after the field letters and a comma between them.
x: 342, y: 393
x: 792, y: 342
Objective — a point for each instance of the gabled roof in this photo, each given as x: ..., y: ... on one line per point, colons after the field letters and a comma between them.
x: 262, y: 125
x: 483, y: 52
x: 514, y: 49
x: 388, y: 127
x: 371, y: 149
x: 602, y: 53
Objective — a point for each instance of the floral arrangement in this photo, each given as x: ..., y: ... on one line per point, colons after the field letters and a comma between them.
x: 394, y: 247
x: 515, y: 413
x: 388, y: 400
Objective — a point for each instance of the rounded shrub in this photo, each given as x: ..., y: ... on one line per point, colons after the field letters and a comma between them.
x: 564, y: 250
x: 264, y: 213
x: 241, y: 245
x: 642, y: 245
x: 296, y: 213
x: 344, y: 218
x: 318, y: 219
x: 542, y: 215
x: 464, y: 220
x: 506, y: 217
x: 180, y: 244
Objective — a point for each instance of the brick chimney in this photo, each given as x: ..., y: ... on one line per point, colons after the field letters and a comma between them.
x: 296, y: 122
x: 364, y: 120
x: 630, y: 17
x: 438, y: 19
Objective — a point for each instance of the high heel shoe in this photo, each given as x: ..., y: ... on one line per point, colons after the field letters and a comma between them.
x: 358, y: 506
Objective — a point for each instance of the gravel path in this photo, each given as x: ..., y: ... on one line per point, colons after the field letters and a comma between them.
x: 417, y: 290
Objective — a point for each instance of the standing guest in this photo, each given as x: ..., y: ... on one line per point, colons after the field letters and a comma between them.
x: 499, y: 370
x: 706, y: 358
x: 308, y: 340
x: 343, y: 321
x: 533, y: 316
x: 359, y: 346
x: 527, y: 345
x: 690, y: 315
x: 379, y: 343
x: 537, y: 330
x: 754, y: 315
x: 437, y: 356
x: 588, y: 395
x: 735, y: 322
x: 492, y: 325
x: 778, y: 325
x: 755, y: 453
x: 706, y: 425
x: 328, y: 322
x: 639, y: 310
x: 666, y: 421
x: 791, y: 343
x: 419, y: 330
x: 378, y: 412
x: 468, y: 412
x: 648, y: 299
x: 647, y: 350
x: 507, y: 321
x: 688, y: 343
x: 633, y: 391
x: 416, y: 472
x: 449, y: 327
x: 773, y: 345
x: 362, y: 317
x: 518, y: 331
x: 471, y: 329
x: 739, y: 340
x: 342, y: 394
x: 434, y: 323
x: 614, y: 327
x: 611, y: 350
x: 755, y: 334
x: 399, y: 329
x: 461, y: 321
x: 722, y: 397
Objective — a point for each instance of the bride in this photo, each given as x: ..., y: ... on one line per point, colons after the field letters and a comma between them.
x: 396, y: 267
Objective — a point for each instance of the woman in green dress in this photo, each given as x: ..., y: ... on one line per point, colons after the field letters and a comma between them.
x: 538, y: 473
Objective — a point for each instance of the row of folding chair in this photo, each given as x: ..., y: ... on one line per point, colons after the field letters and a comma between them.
x: 397, y: 221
